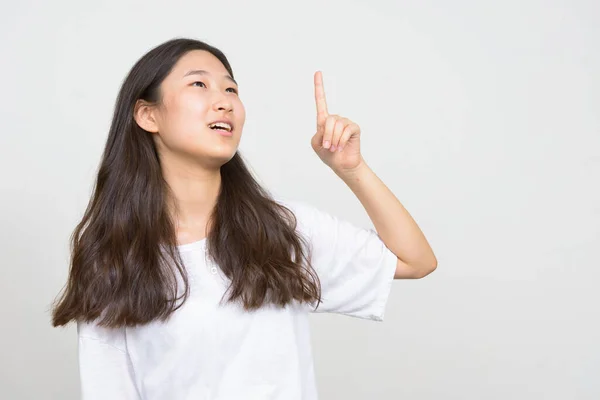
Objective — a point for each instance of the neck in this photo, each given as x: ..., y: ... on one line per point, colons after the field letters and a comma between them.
x: 195, y: 191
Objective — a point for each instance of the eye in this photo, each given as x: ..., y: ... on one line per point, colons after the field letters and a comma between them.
x: 233, y: 90
x: 194, y: 84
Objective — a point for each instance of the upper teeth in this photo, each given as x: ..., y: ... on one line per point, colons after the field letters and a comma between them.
x: 224, y: 125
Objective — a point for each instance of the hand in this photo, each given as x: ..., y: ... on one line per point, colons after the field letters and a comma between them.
x: 337, y: 141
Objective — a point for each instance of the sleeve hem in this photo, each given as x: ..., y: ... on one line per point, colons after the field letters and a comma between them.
x: 389, y: 266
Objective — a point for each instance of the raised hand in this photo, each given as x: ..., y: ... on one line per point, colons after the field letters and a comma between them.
x: 337, y: 140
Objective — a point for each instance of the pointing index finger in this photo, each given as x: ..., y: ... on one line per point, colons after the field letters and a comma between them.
x: 320, y: 98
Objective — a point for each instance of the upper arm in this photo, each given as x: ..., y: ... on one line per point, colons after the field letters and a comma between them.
x: 407, y: 271
x: 353, y: 264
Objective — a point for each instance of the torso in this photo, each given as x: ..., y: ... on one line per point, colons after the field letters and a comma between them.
x: 208, y: 350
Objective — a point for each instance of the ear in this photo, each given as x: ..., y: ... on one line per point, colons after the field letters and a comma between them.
x: 144, y: 115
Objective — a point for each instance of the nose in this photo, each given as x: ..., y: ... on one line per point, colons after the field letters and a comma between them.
x: 222, y: 103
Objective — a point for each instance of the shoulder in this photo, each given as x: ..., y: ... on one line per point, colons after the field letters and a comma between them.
x: 90, y: 331
x: 307, y: 215
x: 299, y: 208
x: 319, y: 226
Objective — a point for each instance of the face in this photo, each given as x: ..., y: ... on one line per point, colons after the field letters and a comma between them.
x: 198, y: 92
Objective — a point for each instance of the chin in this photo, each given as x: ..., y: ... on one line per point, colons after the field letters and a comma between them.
x: 217, y: 157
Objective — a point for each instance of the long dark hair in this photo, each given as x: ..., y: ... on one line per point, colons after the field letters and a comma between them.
x: 120, y: 273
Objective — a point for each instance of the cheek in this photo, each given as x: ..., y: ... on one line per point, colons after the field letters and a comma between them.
x: 192, y: 106
x: 240, y: 113
x: 187, y: 116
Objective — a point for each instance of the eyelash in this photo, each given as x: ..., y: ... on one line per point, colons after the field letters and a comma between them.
x: 234, y: 89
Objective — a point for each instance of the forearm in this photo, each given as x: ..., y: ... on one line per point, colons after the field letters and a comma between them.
x: 393, y: 223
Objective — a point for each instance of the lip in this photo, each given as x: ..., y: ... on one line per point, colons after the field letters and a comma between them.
x: 222, y: 133
x: 225, y: 121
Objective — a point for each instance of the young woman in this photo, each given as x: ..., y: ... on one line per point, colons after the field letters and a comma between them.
x: 190, y: 281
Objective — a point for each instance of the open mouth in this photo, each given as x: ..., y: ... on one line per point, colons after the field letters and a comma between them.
x: 221, y: 126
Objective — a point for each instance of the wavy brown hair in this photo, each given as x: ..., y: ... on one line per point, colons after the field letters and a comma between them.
x: 125, y: 269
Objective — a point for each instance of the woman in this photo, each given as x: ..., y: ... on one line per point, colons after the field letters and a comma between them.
x: 190, y: 281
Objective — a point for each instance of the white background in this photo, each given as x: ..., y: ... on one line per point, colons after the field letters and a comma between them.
x: 482, y: 117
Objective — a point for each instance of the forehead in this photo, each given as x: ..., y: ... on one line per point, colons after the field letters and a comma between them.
x: 198, y: 60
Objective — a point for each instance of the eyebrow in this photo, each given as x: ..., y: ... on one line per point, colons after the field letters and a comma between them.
x: 203, y: 72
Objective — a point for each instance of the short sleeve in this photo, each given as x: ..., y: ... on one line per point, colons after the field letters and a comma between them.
x: 354, y: 266
x: 105, y: 369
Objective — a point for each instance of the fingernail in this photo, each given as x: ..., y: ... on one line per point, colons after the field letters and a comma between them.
x: 326, y: 144
x: 340, y: 148
x: 332, y: 148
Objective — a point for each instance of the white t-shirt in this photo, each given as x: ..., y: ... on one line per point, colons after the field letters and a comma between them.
x: 207, y: 351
